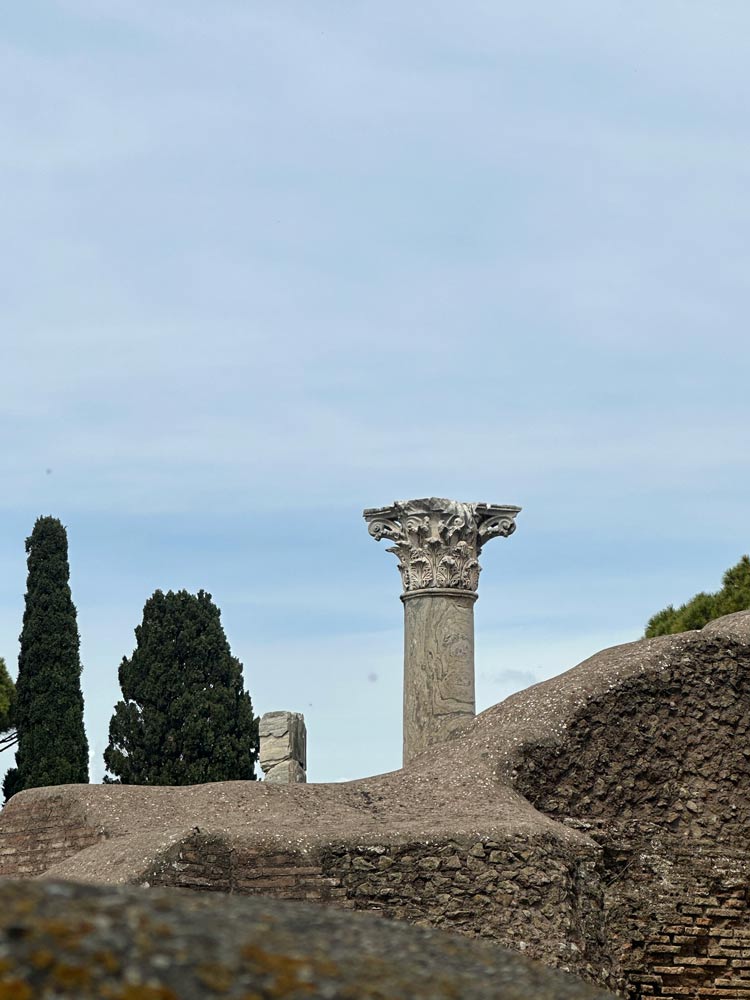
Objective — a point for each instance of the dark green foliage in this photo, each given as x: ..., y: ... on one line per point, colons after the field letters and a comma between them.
x: 703, y: 608
x: 735, y: 592
x: 185, y: 717
x: 7, y: 699
x: 52, y: 746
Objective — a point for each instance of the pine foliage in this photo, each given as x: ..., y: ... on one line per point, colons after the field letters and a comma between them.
x: 185, y: 717
x: 52, y: 745
x: 703, y: 608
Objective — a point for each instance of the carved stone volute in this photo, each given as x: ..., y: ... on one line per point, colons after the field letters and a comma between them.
x: 437, y: 541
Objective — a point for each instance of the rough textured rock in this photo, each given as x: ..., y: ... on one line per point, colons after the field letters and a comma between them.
x: 283, y: 747
x: 286, y: 772
x: 598, y: 821
x: 656, y: 768
x: 61, y: 940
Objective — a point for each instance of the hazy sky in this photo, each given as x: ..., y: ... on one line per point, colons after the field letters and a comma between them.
x: 267, y: 264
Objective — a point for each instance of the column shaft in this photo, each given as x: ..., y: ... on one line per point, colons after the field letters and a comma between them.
x: 438, y: 667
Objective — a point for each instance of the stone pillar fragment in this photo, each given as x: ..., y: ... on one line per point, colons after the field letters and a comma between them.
x: 437, y: 543
x: 283, y: 747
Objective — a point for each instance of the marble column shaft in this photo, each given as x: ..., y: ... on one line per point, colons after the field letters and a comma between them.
x: 438, y: 667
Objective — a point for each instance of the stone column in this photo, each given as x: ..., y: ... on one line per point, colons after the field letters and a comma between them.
x: 437, y: 543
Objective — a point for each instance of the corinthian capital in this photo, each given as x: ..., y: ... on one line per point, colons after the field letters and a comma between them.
x: 437, y: 542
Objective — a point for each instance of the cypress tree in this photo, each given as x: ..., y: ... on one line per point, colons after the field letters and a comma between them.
x: 185, y: 717
x: 52, y: 745
x: 703, y: 608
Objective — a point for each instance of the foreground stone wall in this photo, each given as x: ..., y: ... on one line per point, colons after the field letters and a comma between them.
x: 77, y: 942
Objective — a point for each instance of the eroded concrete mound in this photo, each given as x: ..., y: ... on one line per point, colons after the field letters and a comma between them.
x: 62, y: 940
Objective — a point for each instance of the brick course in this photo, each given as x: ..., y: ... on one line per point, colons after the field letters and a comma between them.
x: 41, y: 833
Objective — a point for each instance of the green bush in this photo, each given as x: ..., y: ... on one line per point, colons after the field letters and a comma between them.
x: 703, y: 608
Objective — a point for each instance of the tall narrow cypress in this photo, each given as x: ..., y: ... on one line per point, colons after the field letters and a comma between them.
x: 52, y: 745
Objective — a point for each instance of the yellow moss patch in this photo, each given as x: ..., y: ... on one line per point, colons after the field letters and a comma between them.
x: 147, y: 993
x: 108, y: 961
x: 216, y: 977
x: 67, y: 933
x: 42, y: 958
x: 15, y: 989
x: 70, y: 977
x: 288, y: 973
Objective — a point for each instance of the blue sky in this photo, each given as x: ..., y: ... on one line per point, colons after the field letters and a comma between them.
x: 267, y: 264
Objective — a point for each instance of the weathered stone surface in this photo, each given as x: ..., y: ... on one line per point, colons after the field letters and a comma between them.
x: 286, y: 772
x: 274, y: 724
x: 657, y: 769
x: 283, y: 747
x: 275, y: 749
x: 76, y: 942
x: 438, y: 668
x: 438, y: 543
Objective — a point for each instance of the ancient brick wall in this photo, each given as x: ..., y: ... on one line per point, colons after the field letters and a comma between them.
x: 678, y: 924
x: 648, y: 918
x: 522, y: 894
x: 658, y: 773
x: 215, y: 864
x: 37, y: 834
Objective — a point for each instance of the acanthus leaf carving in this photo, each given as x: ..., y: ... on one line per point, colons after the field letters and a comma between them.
x: 438, y: 541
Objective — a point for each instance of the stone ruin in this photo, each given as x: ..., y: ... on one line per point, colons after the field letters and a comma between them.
x: 437, y: 543
x: 283, y: 747
x: 598, y: 822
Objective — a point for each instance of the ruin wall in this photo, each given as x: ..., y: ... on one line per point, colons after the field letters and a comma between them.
x: 632, y: 868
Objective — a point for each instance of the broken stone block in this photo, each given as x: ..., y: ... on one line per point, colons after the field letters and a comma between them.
x: 283, y: 747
